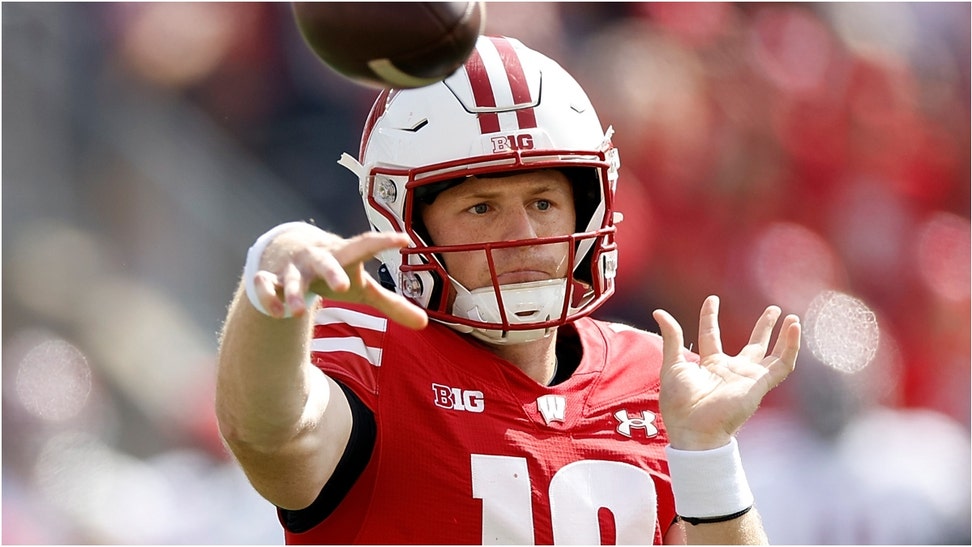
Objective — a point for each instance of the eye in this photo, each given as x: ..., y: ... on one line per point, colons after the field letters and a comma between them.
x: 543, y: 205
x: 479, y: 208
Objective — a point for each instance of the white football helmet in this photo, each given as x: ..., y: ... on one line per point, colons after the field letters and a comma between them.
x: 508, y: 109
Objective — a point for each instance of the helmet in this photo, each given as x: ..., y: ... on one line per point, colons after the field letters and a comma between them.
x: 508, y: 109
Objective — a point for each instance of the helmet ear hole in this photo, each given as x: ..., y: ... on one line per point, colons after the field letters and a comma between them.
x: 586, y: 186
x: 385, y: 277
x: 438, y: 287
x: 583, y: 271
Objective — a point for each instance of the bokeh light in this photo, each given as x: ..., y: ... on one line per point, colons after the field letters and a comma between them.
x: 944, y: 256
x: 841, y: 331
x: 54, y: 380
x: 87, y: 479
x: 45, y: 254
x: 175, y: 44
x: 792, y: 265
x: 792, y: 47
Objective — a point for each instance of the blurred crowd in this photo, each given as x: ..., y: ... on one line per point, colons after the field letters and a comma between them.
x: 815, y: 156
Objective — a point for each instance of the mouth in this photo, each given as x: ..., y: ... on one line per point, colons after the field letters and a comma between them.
x: 522, y: 276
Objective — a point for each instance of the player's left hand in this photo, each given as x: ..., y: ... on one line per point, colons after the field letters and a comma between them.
x: 704, y: 404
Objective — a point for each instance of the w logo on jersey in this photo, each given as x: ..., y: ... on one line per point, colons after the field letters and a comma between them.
x: 626, y: 423
x: 553, y: 408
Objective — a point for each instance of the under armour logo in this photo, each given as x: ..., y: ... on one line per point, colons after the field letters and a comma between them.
x: 552, y: 407
x: 626, y: 423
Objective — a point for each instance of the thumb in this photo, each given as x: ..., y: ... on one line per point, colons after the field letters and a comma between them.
x: 398, y: 308
x: 672, y: 338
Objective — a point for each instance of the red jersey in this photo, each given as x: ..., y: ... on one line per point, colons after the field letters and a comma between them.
x: 470, y: 450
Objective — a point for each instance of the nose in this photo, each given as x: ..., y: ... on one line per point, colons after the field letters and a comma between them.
x: 517, y: 223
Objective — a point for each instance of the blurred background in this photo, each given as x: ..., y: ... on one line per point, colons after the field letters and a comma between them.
x: 815, y: 156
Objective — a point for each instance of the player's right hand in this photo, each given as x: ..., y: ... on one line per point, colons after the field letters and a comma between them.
x: 307, y: 259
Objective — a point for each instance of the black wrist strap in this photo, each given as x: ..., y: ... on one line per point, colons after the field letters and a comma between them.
x: 712, y: 520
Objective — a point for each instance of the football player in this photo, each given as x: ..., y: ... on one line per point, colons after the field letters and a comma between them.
x: 512, y: 416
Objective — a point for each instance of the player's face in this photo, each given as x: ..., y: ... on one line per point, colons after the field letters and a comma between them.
x: 524, y: 205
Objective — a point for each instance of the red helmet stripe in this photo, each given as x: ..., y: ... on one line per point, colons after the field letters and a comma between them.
x: 525, y: 117
x: 377, y: 109
x: 482, y: 92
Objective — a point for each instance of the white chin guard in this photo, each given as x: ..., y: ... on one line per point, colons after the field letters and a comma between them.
x: 524, y: 303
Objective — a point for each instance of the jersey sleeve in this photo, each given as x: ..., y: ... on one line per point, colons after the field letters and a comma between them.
x: 347, y: 345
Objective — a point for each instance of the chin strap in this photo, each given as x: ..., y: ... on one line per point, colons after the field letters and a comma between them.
x: 351, y: 164
x: 501, y: 338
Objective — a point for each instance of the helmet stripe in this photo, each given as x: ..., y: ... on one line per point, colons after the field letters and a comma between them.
x: 525, y: 117
x: 482, y: 92
x: 377, y: 109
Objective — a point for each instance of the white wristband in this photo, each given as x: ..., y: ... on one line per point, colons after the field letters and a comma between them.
x: 252, y: 266
x: 709, y: 483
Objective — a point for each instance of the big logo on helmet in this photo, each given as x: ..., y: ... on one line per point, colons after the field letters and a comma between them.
x: 510, y: 143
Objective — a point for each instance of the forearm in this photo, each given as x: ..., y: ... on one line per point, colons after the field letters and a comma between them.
x: 745, y: 530
x: 265, y: 385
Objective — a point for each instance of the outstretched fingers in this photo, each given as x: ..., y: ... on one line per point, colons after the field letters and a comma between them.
x: 710, y: 337
x: 762, y: 333
x: 365, y: 246
x: 293, y: 286
x: 398, y: 308
x: 328, y: 268
x: 788, y: 344
x: 334, y: 268
x: 673, y: 339
x: 781, y: 362
x: 265, y: 284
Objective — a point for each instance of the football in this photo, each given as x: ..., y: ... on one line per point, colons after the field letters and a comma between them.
x: 391, y: 44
